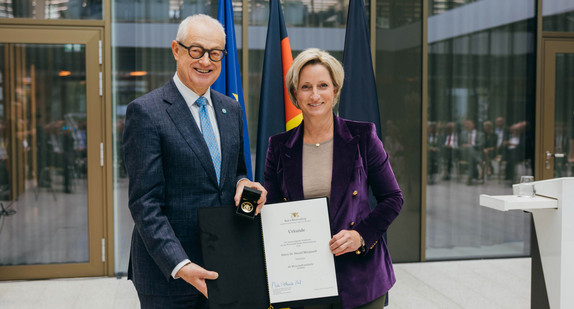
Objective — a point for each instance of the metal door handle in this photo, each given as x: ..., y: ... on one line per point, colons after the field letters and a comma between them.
x: 550, y: 155
x: 555, y: 155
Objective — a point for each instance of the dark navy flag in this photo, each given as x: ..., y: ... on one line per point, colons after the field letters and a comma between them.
x: 276, y: 113
x: 359, y: 99
x: 359, y: 94
x: 229, y: 81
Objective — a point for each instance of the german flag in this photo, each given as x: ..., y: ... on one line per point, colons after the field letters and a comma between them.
x: 276, y: 113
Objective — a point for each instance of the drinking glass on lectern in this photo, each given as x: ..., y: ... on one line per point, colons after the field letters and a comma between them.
x: 526, y: 186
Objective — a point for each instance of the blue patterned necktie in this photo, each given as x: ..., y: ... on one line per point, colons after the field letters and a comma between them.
x: 208, y: 135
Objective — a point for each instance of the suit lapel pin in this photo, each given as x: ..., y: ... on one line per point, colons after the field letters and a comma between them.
x: 224, y: 111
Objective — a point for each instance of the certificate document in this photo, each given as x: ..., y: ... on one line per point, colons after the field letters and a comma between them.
x: 299, y: 263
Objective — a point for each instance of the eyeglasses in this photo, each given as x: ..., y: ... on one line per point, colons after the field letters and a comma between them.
x: 196, y: 52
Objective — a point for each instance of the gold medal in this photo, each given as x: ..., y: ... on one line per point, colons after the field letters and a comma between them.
x: 248, y: 203
x: 246, y: 207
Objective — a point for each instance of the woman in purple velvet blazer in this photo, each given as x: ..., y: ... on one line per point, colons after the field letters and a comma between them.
x: 330, y: 156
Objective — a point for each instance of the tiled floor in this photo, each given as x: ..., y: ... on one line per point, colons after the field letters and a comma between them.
x: 502, y: 283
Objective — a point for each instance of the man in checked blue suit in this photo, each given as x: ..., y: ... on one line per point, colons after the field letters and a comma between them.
x: 183, y: 146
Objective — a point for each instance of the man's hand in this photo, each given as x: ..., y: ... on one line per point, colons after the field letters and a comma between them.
x: 255, y: 185
x: 345, y: 241
x: 196, y: 275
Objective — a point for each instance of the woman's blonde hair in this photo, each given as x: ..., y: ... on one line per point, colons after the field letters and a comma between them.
x: 314, y: 56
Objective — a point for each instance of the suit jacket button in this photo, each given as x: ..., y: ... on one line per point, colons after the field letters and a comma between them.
x: 355, y: 193
x: 284, y: 199
x: 352, y: 223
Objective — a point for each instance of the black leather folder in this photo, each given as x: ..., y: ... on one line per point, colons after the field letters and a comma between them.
x: 233, y: 247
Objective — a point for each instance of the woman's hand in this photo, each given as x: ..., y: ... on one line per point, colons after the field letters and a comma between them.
x: 345, y: 241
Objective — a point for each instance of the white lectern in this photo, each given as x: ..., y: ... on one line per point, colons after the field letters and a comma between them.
x: 553, y: 211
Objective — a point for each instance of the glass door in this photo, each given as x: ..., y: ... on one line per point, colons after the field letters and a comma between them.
x: 51, y: 192
x: 557, y: 110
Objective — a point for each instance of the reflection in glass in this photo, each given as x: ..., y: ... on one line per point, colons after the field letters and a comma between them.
x: 558, y: 15
x: 303, y: 13
x: 398, y: 70
x: 441, y: 6
x: 137, y: 71
x: 62, y: 9
x: 480, y: 127
x: 165, y: 11
x: 43, y: 163
x: 564, y: 117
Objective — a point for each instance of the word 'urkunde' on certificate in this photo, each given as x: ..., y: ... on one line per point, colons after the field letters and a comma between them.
x: 296, y: 237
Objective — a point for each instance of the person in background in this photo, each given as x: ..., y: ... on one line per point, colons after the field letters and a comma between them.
x: 183, y: 146
x: 514, y: 150
x: 489, y: 149
x: 471, y: 141
x: 501, y: 132
x: 433, y: 148
x: 341, y: 159
x: 450, y: 149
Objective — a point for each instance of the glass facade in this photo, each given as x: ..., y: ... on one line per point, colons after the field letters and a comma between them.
x: 43, y: 158
x: 47, y: 9
x: 480, y: 129
x: 480, y: 112
x: 143, y: 62
x: 558, y: 15
x: 481, y: 75
x: 399, y: 86
x: 481, y: 81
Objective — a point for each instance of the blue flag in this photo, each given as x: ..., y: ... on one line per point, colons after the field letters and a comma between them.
x: 359, y: 99
x: 229, y: 81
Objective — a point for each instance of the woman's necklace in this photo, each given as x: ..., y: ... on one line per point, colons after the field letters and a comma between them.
x: 317, y: 145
